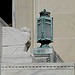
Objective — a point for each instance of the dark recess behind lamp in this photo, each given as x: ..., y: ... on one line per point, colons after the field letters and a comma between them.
x: 6, y: 11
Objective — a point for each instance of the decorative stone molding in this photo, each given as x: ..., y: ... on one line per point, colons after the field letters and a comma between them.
x: 53, y: 66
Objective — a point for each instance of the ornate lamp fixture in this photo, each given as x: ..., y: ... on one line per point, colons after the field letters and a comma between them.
x: 44, y: 29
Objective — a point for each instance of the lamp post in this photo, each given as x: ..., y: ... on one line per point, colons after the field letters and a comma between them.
x: 45, y: 53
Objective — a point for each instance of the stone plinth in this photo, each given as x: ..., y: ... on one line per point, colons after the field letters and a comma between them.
x: 46, y: 55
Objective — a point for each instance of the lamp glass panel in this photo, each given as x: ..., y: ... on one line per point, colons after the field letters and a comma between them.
x: 48, y: 30
x: 39, y: 30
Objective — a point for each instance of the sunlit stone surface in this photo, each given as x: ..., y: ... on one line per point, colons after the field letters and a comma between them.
x: 17, y: 59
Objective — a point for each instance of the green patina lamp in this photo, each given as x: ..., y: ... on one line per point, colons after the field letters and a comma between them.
x: 44, y: 29
x: 45, y: 53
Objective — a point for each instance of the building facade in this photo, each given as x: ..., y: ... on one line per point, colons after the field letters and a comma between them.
x: 63, y: 13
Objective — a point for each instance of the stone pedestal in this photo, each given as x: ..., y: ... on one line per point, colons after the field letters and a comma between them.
x: 46, y: 55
